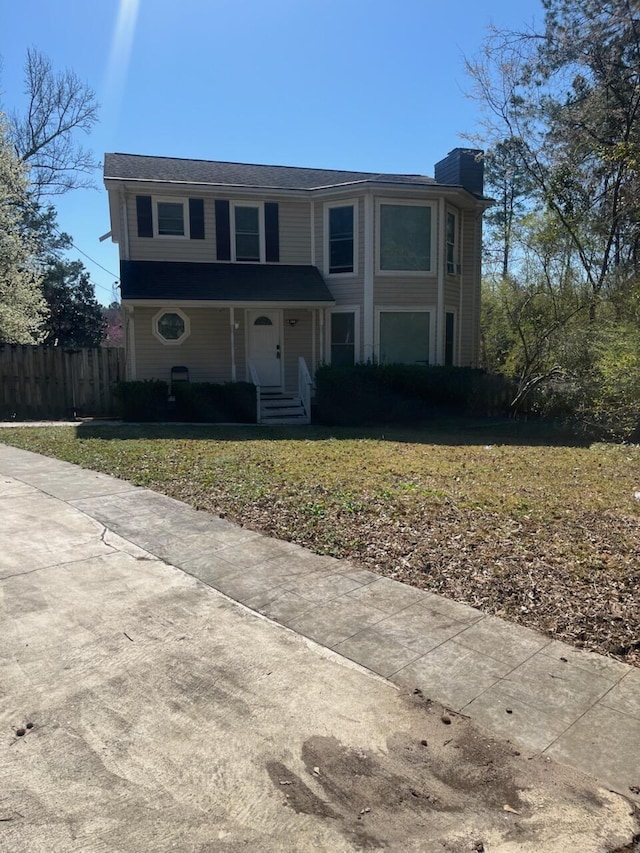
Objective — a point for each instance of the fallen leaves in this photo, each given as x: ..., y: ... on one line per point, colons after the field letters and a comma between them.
x: 546, y: 535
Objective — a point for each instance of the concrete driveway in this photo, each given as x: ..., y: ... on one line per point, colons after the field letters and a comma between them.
x: 144, y: 711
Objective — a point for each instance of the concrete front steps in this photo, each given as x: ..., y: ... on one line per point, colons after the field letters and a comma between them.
x: 280, y: 408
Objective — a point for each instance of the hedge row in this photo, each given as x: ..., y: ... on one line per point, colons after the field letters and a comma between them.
x: 398, y: 393
x: 199, y: 402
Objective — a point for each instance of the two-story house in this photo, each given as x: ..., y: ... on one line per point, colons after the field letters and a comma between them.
x: 261, y: 273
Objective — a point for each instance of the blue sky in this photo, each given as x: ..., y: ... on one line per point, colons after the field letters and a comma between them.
x: 343, y: 84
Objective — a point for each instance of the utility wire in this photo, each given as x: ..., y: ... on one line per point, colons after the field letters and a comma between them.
x: 93, y: 261
x: 36, y: 208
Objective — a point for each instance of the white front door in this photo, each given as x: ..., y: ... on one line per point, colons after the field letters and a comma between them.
x: 264, y: 346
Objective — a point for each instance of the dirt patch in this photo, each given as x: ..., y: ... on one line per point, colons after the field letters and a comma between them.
x: 632, y: 847
x: 298, y: 795
x: 456, y: 785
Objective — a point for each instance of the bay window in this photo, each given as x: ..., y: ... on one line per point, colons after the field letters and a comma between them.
x: 404, y: 336
x: 404, y: 237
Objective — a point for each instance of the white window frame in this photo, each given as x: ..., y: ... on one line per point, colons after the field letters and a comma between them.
x: 261, y: 230
x: 408, y: 309
x: 456, y: 245
x: 380, y: 202
x: 185, y: 218
x: 344, y: 309
x: 171, y: 310
x: 327, y: 254
x: 448, y: 309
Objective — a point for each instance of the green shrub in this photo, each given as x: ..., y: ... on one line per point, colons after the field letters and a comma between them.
x: 207, y: 402
x: 399, y: 393
x: 143, y: 400
x: 197, y: 402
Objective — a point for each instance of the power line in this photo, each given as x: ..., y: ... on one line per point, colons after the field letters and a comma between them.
x: 93, y: 261
x: 35, y: 209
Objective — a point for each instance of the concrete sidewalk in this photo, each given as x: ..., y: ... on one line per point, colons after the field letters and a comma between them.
x: 544, y: 696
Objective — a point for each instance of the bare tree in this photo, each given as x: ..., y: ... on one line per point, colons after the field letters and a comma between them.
x: 44, y: 137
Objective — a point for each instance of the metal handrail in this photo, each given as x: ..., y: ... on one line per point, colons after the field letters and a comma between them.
x: 253, y: 373
x: 305, y: 384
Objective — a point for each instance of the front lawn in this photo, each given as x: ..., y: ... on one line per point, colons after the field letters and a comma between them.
x: 534, y: 528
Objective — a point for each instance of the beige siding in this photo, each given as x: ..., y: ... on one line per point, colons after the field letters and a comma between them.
x: 206, y: 352
x: 318, y: 235
x: 294, y: 226
x: 451, y: 294
x: 295, y: 232
x: 296, y: 342
x: 477, y: 291
x: 407, y: 290
x: 345, y: 289
x: 470, y: 282
x: 115, y: 216
x: 171, y: 248
x: 240, y: 341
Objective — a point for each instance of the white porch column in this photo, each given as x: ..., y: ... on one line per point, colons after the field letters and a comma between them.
x: 124, y: 227
x: 322, y: 312
x: 313, y: 340
x: 367, y: 337
x: 232, y: 323
x: 130, y: 344
x: 312, y: 219
x: 442, y: 249
x: 461, y: 272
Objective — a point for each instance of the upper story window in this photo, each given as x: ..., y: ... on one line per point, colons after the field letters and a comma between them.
x: 181, y: 218
x: 248, y: 232
x: 452, y: 244
x: 405, y: 237
x: 340, y: 227
x: 170, y: 218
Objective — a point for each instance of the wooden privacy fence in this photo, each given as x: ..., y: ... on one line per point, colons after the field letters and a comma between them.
x: 39, y: 382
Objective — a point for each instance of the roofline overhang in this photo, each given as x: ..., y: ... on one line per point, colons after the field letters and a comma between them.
x: 450, y: 190
x: 222, y: 303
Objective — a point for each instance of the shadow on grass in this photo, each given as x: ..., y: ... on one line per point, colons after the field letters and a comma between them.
x: 446, y: 431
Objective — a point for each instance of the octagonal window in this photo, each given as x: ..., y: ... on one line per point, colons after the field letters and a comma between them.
x: 171, y: 327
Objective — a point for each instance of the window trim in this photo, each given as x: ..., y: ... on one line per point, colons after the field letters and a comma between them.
x: 327, y: 252
x: 407, y: 309
x: 344, y: 309
x: 431, y: 272
x: 261, y: 229
x: 456, y: 244
x: 185, y: 217
x: 455, y: 349
x: 171, y: 310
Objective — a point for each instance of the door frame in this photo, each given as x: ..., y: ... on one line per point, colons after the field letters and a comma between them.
x: 249, y: 316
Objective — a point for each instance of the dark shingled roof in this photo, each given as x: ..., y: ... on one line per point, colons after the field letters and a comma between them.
x: 174, y: 169
x: 233, y: 283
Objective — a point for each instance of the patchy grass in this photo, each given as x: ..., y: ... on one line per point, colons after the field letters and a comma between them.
x: 531, y: 527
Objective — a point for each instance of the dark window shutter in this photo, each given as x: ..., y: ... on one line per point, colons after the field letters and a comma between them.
x: 145, y: 217
x: 223, y: 230
x: 196, y: 218
x: 271, y: 231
